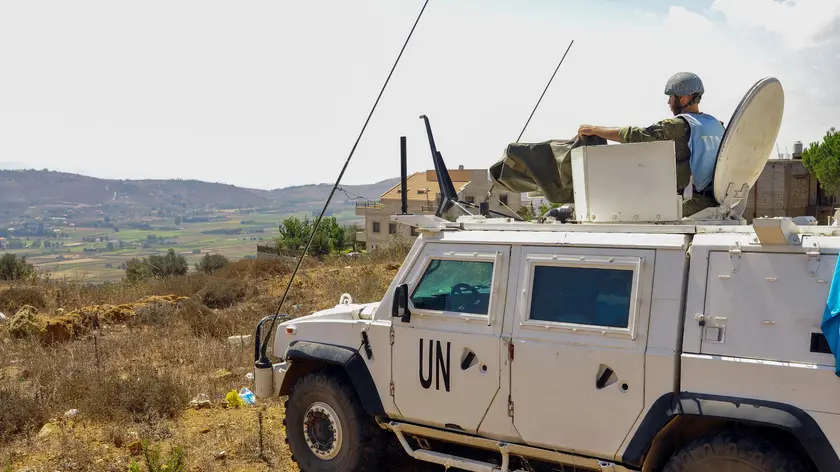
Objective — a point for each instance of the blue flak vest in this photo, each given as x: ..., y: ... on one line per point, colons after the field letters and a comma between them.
x: 706, y: 135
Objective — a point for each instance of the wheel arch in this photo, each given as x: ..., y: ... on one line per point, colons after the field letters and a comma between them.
x: 309, y: 356
x: 674, y: 420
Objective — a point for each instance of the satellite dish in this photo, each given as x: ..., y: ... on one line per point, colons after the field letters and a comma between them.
x: 748, y: 141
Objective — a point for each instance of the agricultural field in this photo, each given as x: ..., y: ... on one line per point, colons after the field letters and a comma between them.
x: 77, y: 260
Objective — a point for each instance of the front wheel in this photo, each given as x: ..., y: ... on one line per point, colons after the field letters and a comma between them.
x: 326, y: 428
x: 733, y: 452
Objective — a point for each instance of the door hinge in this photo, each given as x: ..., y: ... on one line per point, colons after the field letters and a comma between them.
x: 392, y: 336
x: 813, y: 260
x: 510, y: 407
x: 735, y: 256
x: 393, y: 389
x: 511, y: 350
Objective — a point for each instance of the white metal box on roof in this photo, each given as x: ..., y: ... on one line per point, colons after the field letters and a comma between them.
x: 626, y: 183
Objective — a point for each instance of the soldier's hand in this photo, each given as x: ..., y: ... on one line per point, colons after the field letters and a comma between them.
x: 587, y: 130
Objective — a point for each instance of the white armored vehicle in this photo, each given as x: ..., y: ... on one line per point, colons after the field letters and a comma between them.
x: 625, y: 337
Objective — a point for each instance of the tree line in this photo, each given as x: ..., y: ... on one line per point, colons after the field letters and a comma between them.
x: 330, y: 237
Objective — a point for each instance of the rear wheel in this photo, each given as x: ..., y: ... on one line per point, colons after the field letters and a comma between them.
x: 326, y: 428
x: 730, y: 451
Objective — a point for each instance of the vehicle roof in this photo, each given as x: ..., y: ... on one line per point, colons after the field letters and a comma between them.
x: 676, y: 235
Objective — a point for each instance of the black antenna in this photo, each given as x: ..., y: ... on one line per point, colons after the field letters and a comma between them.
x: 403, y: 176
x: 262, y: 360
x: 448, y: 195
x: 544, y: 90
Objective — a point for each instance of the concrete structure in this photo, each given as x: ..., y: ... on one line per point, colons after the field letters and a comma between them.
x: 786, y: 188
x: 423, y: 195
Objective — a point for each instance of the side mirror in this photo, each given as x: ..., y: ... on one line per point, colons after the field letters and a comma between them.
x: 400, y: 306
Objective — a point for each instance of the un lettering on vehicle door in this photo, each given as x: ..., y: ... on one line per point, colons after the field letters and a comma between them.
x: 446, y: 356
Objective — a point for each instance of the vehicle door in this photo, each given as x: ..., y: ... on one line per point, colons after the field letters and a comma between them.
x: 446, y: 352
x: 577, y: 378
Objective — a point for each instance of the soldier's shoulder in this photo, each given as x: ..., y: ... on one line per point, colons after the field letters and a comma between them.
x: 675, y: 121
x: 670, y: 128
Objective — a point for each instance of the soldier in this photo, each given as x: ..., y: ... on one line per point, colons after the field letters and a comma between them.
x: 696, y: 135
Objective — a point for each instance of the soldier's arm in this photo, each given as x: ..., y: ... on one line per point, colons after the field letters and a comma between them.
x: 668, y: 129
x: 600, y: 131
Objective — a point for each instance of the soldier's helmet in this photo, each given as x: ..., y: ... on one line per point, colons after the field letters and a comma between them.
x: 684, y: 83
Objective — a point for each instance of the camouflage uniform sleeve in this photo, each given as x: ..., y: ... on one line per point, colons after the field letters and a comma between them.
x: 667, y: 129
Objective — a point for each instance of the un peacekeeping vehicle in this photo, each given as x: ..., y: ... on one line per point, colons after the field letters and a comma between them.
x: 619, y: 337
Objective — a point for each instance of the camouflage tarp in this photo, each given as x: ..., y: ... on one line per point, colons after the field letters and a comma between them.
x: 544, y: 167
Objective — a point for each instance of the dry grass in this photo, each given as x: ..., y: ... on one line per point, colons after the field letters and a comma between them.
x: 133, y: 369
x: 15, y: 298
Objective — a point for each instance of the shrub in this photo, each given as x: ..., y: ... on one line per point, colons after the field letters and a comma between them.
x: 20, y: 413
x: 15, y: 298
x: 185, y: 286
x: 222, y: 293
x: 156, y: 266
x: 137, y: 270
x: 203, y: 321
x: 157, y: 313
x: 175, y: 461
x: 210, y: 263
x: 13, y: 267
x: 393, y: 250
x: 258, y: 268
x: 142, y: 394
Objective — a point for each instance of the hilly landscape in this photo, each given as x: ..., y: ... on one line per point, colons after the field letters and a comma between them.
x: 80, y: 226
x: 35, y: 191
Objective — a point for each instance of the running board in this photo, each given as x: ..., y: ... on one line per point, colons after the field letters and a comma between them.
x: 504, y: 448
x: 448, y: 460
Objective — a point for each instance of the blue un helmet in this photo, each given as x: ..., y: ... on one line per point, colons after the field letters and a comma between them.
x: 684, y: 84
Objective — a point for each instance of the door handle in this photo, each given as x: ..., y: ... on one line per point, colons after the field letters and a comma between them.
x: 602, y: 380
x: 467, y: 361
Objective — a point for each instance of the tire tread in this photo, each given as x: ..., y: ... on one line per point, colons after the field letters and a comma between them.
x: 371, y: 437
x: 750, y: 448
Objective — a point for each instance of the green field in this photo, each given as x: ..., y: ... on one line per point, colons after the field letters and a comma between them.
x: 71, y: 261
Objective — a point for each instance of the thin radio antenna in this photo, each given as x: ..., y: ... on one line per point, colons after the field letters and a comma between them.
x: 260, y: 358
x: 492, y: 185
x: 544, y: 90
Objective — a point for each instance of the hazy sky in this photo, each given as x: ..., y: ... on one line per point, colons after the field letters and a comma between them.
x: 242, y: 92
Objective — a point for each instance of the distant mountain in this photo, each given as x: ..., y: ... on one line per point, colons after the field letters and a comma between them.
x: 309, y: 196
x: 39, y: 191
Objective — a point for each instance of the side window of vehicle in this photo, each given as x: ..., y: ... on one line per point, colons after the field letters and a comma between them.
x: 582, y: 295
x: 455, y: 286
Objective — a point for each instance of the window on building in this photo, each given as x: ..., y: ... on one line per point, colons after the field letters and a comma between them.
x: 414, y: 231
x: 392, y: 228
x: 470, y: 199
x: 375, y: 226
x: 503, y: 198
x: 458, y: 286
x: 582, y: 295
